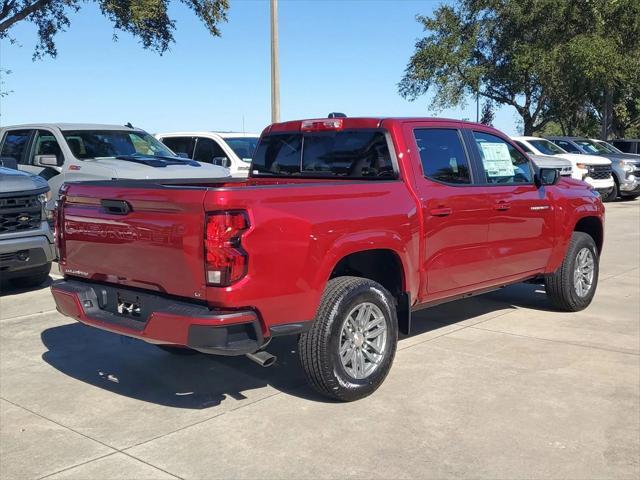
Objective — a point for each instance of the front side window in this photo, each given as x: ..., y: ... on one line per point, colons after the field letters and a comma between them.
x: 46, y: 144
x: 86, y: 144
x: 15, y: 145
x: 502, y: 162
x: 207, y: 150
x: 179, y: 145
x: 442, y: 155
x: 546, y: 147
x: 346, y: 153
x: 243, y: 147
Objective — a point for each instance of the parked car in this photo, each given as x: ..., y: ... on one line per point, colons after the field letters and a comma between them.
x: 343, y: 228
x: 623, y: 165
x: 627, y: 145
x: 547, y: 161
x: 596, y: 171
x: 69, y: 152
x: 626, y: 169
x: 26, y: 241
x: 231, y: 150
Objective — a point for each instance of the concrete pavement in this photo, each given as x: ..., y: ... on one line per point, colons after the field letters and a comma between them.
x: 497, y: 386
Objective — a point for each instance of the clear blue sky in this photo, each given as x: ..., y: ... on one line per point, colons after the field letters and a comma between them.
x: 343, y: 56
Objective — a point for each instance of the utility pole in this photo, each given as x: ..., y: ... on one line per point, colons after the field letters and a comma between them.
x: 275, y: 71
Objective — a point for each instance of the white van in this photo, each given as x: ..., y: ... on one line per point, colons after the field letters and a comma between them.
x: 67, y: 152
x: 228, y: 149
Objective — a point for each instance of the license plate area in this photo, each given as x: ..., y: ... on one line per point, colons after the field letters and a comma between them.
x: 129, y: 305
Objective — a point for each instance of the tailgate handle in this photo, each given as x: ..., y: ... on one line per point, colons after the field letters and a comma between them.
x: 116, y: 207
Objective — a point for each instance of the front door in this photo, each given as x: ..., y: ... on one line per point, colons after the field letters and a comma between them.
x: 520, y: 236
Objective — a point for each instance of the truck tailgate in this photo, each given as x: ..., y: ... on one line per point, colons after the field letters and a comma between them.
x: 149, y: 238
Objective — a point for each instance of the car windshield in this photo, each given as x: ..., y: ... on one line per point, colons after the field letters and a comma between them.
x: 243, y: 147
x: 86, y: 144
x: 591, y: 147
x: 610, y: 148
x: 546, y: 147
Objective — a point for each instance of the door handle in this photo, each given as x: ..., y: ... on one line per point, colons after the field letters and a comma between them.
x: 501, y: 206
x: 441, y: 212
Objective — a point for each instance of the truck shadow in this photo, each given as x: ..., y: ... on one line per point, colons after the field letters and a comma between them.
x: 9, y: 287
x: 138, y: 370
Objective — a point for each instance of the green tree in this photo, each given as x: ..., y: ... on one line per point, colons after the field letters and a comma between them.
x: 551, y: 60
x: 148, y: 20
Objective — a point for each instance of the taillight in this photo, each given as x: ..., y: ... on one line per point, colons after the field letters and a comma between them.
x: 321, y: 125
x: 226, y: 262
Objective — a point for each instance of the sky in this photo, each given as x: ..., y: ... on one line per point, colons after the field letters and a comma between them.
x: 335, y: 55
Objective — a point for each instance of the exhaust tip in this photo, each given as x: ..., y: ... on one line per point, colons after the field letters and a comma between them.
x: 262, y: 358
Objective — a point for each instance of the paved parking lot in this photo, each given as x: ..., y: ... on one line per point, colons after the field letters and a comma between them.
x: 497, y: 386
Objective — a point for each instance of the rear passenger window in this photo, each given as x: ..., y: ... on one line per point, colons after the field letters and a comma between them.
x: 502, y: 162
x: 442, y: 155
x: 15, y: 144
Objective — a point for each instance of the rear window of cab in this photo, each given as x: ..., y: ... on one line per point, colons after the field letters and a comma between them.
x: 338, y: 154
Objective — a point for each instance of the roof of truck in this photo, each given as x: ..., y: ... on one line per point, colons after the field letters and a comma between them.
x: 72, y: 126
x: 366, y: 122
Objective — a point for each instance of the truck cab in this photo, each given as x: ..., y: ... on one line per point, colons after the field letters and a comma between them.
x: 68, y: 152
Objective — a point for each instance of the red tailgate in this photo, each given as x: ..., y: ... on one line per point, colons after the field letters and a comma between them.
x: 149, y: 238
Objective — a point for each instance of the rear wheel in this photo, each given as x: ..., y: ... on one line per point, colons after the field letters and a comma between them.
x: 573, y: 285
x: 349, y: 350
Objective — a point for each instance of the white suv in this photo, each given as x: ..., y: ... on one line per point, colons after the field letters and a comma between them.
x: 594, y: 170
x: 228, y: 149
x: 67, y: 152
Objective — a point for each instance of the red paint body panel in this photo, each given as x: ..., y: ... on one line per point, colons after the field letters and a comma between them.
x: 301, y: 228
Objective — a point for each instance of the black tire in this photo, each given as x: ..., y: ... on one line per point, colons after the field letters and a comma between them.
x: 34, y: 277
x: 613, y: 194
x: 633, y: 196
x: 319, y: 347
x: 183, y: 351
x: 560, y: 285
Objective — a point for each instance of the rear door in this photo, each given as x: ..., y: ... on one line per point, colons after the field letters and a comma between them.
x: 455, y: 211
x: 149, y: 237
x: 520, y: 237
x: 180, y: 145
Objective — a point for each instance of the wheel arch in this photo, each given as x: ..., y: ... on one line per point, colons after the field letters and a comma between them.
x: 592, y: 226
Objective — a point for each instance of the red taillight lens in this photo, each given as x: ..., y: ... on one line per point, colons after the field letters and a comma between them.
x: 226, y: 262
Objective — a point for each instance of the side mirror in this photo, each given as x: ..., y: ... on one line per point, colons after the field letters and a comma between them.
x: 548, y: 176
x: 182, y: 154
x: 222, y: 161
x: 46, y: 160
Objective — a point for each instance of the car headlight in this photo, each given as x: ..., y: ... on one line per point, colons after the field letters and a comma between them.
x: 583, y: 166
x: 628, y: 167
x: 47, y: 208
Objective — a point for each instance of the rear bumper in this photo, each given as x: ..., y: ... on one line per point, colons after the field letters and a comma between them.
x: 161, y: 320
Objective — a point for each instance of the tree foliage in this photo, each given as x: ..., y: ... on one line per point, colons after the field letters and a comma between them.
x: 551, y: 60
x: 148, y: 20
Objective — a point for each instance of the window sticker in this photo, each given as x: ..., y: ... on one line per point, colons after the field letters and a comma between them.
x: 497, y: 160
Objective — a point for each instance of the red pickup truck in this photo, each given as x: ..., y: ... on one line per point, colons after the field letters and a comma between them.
x: 343, y: 228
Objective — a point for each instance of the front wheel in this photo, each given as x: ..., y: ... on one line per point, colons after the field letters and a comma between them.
x: 572, y: 287
x: 613, y: 194
x: 349, y: 350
